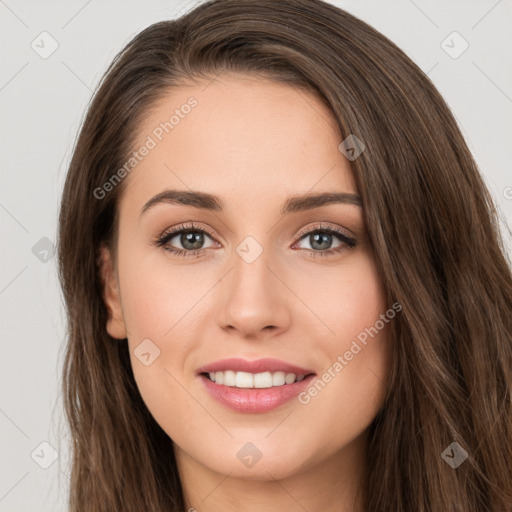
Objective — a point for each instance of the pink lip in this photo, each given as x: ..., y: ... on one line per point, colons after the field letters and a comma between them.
x: 257, y: 366
x: 254, y: 400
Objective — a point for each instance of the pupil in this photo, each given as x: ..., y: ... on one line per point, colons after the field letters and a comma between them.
x: 323, y: 239
x: 195, y: 240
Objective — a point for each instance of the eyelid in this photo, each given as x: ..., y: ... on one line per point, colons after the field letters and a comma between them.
x: 321, y: 226
x: 187, y: 226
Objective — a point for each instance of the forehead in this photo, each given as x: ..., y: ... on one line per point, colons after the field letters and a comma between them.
x: 239, y: 136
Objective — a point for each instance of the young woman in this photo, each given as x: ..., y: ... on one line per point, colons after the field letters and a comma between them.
x: 284, y: 278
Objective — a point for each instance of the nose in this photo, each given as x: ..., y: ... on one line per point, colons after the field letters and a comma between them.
x: 254, y: 299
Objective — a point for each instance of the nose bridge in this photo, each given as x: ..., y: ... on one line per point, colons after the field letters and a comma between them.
x: 254, y: 297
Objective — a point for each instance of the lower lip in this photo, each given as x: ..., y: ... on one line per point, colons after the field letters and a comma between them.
x: 255, y: 400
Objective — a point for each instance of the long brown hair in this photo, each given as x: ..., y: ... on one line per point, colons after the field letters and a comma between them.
x: 433, y: 227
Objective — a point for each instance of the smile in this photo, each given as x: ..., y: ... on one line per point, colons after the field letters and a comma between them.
x: 254, y: 386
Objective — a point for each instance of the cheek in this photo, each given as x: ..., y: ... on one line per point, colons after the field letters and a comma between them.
x: 157, y: 293
x: 356, y: 346
x: 341, y: 403
x: 347, y: 300
x: 159, y: 304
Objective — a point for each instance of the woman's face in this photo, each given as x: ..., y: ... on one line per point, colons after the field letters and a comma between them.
x: 249, y: 282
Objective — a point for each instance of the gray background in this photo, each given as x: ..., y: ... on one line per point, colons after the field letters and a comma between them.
x: 42, y: 104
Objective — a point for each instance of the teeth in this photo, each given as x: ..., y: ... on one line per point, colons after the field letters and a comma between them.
x: 254, y: 380
x: 278, y: 378
x: 243, y: 380
x: 289, y: 378
x: 262, y: 380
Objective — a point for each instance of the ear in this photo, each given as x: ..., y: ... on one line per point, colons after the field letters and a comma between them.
x: 111, y: 296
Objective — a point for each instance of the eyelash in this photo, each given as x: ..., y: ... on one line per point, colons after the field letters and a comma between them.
x: 168, y: 235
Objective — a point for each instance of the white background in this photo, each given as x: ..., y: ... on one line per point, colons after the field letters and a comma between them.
x: 42, y: 102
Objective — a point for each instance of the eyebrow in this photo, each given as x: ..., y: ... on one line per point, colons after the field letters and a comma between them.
x: 214, y: 203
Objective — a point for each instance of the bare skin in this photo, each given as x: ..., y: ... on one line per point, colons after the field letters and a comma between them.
x: 254, y: 143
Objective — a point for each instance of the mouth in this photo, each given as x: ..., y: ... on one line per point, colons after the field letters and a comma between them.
x: 254, y: 386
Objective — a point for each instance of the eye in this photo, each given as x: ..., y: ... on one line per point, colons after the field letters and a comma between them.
x: 190, y: 237
x: 321, y: 238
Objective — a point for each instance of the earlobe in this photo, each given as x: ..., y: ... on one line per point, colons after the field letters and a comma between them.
x: 111, y: 297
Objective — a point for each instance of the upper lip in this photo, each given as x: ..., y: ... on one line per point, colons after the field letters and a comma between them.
x: 256, y: 366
